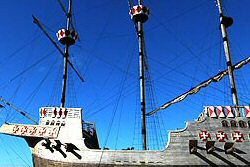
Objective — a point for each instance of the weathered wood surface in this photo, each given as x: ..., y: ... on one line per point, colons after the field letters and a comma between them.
x: 176, y: 153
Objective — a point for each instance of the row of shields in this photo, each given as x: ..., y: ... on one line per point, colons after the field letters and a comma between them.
x: 221, y: 136
x: 35, y: 131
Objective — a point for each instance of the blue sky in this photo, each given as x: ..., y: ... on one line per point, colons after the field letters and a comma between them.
x: 183, y: 43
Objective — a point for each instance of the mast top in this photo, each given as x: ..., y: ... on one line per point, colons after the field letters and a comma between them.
x: 225, y: 20
x: 139, y: 13
x: 67, y: 37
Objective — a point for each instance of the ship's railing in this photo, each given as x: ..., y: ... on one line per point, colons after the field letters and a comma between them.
x: 54, y: 112
x: 60, y: 112
x: 227, y: 111
x: 89, y: 127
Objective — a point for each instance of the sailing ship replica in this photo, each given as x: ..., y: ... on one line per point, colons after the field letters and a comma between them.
x: 220, y: 136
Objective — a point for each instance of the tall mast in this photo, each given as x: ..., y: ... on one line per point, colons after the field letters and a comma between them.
x: 67, y: 42
x: 225, y: 22
x: 67, y: 37
x: 139, y: 14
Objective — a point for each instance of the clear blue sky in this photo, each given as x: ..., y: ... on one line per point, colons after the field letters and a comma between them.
x: 183, y: 47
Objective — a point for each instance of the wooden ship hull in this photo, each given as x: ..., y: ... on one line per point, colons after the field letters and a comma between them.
x: 215, y: 138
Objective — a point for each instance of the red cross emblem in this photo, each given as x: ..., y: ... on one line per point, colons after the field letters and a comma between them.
x: 238, y: 136
x: 221, y: 136
x: 15, y: 129
x: 52, y: 132
x: 139, y: 8
x: 42, y: 131
x: 132, y: 11
x: 60, y: 112
x: 61, y: 33
x: 44, y: 112
x: 24, y: 130
x: 32, y: 130
x: 204, y: 135
x: 55, y: 113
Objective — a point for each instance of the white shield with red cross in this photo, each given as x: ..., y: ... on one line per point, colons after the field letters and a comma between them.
x: 204, y: 135
x: 238, y: 136
x: 221, y: 136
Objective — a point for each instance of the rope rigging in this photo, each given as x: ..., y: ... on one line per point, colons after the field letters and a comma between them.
x: 40, y: 25
x: 147, y: 93
x: 29, y: 67
x: 54, y: 96
x: 3, y: 60
x: 13, y: 149
x: 18, y: 110
x: 154, y: 126
x: 63, y: 7
x: 121, y: 90
x: 216, y: 78
x: 40, y: 84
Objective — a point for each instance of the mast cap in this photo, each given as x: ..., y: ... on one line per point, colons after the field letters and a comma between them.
x: 67, y: 37
x: 139, y: 13
x: 227, y: 21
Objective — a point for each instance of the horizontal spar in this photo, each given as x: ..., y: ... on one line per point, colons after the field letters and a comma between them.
x: 18, y: 110
x: 39, y: 24
x: 203, y: 84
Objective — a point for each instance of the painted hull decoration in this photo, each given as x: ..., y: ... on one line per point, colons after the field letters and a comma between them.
x: 35, y: 131
x: 221, y: 136
x: 205, y: 136
x: 66, y: 145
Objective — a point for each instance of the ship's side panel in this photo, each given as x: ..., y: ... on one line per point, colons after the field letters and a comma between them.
x: 213, y: 139
x: 40, y: 162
